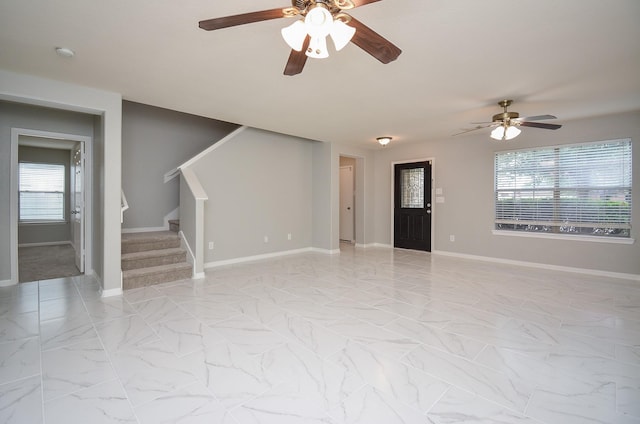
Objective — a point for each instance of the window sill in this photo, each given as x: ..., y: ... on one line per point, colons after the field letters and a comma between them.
x: 596, y: 239
x: 28, y: 223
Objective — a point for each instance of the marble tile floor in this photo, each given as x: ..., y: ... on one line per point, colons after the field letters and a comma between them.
x: 369, y: 336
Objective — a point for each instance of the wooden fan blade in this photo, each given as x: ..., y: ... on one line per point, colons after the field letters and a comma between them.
x: 297, y: 59
x: 373, y: 43
x: 535, y: 118
x: 359, y: 3
x: 466, y: 130
x: 540, y: 125
x: 245, y: 18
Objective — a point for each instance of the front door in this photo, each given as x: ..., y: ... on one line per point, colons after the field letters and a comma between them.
x: 412, y: 206
x: 77, y: 203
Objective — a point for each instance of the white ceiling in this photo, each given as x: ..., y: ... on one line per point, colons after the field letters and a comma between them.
x: 569, y: 58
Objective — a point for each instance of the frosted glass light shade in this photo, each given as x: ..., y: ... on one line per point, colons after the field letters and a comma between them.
x: 341, y: 34
x: 318, y: 48
x: 508, y: 133
x: 384, y: 140
x: 294, y: 35
x: 318, y: 22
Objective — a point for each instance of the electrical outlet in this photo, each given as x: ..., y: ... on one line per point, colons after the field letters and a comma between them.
x: 289, y: 236
x: 266, y: 239
x: 210, y: 245
x: 452, y: 238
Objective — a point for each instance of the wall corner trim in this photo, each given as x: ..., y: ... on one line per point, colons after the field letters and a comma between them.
x: 111, y: 292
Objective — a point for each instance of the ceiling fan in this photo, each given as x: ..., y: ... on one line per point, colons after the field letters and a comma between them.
x: 307, y: 37
x: 506, y: 124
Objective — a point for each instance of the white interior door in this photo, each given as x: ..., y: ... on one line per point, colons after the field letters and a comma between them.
x: 346, y: 204
x: 77, y: 203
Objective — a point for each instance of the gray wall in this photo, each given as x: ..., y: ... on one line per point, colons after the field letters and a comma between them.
x: 322, y: 199
x: 259, y: 184
x: 463, y: 168
x: 17, y: 115
x: 99, y: 170
x: 30, y: 233
x: 155, y: 141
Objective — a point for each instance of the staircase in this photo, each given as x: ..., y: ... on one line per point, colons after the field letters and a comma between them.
x: 153, y: 258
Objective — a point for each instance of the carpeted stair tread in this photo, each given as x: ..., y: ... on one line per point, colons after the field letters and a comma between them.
x: 152, y: 253
x: 142, y: 277
x: 150, y: 258
x: 138, y: 242
x: 157, y: 269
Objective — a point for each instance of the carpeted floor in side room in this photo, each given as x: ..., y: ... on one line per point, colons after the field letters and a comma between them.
x: 46, y: 262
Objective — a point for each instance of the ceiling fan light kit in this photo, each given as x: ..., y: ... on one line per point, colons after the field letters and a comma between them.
x: 505, y: 133
x: 506, y: 124
x: 307, y: 37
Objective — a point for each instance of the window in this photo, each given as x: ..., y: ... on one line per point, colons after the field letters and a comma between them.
x: 41, y: 192
x: 574, y: 189
x: 412, y: 188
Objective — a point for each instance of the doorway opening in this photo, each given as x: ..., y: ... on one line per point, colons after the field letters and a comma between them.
x: 50, y: 205
x: 347, y: 200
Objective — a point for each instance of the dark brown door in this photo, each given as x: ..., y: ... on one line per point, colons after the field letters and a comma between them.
x: 412, y: 210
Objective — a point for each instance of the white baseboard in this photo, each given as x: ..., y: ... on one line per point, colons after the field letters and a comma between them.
x: 111, y: 292
x: 48, y: 243
x: 233, y: 261
x: 145, y: 229
x: 325, y: 251
x: 6, y: 283
x: 594, y: 272
x: 370, y: 245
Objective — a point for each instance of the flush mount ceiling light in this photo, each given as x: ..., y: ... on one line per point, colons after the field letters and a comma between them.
x: 307, y: 37
x: 506, y: 124
x: 384, y: 140
x: 65, y: 52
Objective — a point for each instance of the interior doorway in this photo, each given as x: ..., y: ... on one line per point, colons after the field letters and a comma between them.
x: 348, y: 216
x: 50, y: 205
x: 347, y: 204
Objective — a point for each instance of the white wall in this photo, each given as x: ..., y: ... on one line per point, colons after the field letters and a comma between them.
x: 464, y: 170
x: 107, y: 150
x: 259, y: 184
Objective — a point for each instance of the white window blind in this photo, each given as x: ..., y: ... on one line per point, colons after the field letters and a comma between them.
x: 573, y: 189
x: 41, y: 190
